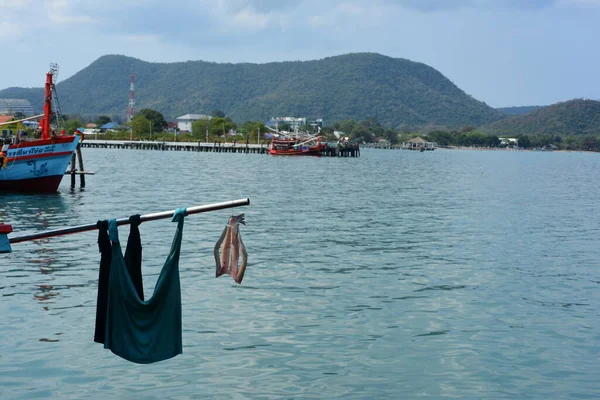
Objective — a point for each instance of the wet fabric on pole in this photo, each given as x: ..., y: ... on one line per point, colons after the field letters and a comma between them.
x: 133, y: 260
x: 103, y: 276
x: 133, y: 255
x: 144, y: 331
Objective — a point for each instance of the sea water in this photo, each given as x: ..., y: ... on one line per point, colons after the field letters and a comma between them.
x: 399, y: 274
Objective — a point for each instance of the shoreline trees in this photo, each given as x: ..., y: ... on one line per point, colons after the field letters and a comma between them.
x: 150, y: 124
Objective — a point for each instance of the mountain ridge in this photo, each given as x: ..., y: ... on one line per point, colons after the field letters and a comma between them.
x: 396, y: 91
x: 571, y: 117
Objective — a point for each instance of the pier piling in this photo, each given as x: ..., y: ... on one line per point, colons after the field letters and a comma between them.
x: 245, y: 148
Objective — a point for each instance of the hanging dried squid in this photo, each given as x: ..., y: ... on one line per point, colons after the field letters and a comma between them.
x: 228, y: 249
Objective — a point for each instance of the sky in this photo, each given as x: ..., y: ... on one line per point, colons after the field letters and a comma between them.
x: 502, y: 52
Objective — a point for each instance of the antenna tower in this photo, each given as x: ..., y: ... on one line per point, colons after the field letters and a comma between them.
x: 131, y: 110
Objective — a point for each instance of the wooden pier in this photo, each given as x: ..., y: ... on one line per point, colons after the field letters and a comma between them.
x: 216, y: 147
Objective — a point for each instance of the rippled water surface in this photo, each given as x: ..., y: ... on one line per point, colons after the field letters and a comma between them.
x: 446, y: 274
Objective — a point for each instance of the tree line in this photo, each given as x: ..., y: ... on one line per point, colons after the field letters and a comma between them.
x: 150, y: 124
x: 471, y: 137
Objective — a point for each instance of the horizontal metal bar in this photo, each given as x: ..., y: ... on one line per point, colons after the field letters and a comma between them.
x: 21, y: 120
x: 79, y: 173
x: 125, y: 221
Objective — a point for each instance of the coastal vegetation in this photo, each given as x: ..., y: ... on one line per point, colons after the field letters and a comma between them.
x: 478, y: 138
x: 224, y: 129
x: 469, y: 137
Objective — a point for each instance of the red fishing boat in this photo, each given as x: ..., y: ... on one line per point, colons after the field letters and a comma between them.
x: 37, y: 165
x: 284, y: 144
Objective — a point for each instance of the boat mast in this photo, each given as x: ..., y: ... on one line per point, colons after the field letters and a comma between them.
x: 45, y: 122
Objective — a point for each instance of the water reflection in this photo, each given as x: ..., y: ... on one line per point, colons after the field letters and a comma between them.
x: 45, y: 293
x: 42, y: 258
x: 34, y: 211
x: 38, y: 259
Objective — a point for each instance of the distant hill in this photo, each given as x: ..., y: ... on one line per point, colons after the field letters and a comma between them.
x: 578, y: 117
x: 518, y: 110
x: 396, y: 91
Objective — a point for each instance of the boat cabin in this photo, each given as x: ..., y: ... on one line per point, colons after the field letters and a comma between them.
x: 419, y: 143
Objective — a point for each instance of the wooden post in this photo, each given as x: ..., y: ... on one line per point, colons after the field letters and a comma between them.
x: 80, y: 160
x: 73, y: 170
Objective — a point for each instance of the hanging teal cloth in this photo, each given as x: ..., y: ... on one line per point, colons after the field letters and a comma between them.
x: 144, y: 331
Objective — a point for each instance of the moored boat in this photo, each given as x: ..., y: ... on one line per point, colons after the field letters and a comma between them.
x: 37, y: 165
x: 286, y: 145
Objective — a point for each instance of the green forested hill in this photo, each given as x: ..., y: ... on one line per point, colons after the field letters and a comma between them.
x: 521, y: 110
x: 577, y: 117
x: 397, y: 92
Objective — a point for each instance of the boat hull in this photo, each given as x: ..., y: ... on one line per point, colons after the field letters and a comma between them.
x: 47, y: 184
x: 309, y: 152
x: 37, y: 166
x: 290, y: 150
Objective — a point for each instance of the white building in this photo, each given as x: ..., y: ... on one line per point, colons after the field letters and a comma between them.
x: 316, y: 123
x: 509, y: 141
x: 184, y: 123
x: 294, y: 123
x: 13, y: 106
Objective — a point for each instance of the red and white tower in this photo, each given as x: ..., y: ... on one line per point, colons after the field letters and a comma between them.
x: 131, y: 110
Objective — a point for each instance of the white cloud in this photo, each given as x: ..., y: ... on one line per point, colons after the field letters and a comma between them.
x: 317, y: 21
x: 10, y: 30
x: 66, y: 12
x: 13, y: 4
x: 352, y: 8
x: 441, y: 5
x: 579, y: 3
x: 20, y: 18
x: 139, y: 39
x: 258, y: 5
x: 250, y: 19
x: 10, y: 20
x: 361, y: 14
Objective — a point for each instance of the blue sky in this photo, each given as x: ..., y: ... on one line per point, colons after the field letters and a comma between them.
x: 502, y: 52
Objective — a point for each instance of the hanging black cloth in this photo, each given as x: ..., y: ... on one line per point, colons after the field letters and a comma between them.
x: 133, y: 255
x: 103, y: 276
x: 133, y: 260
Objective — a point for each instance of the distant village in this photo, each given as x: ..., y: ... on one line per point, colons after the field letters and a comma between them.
x: 17, y: 109
x: 14, y: 109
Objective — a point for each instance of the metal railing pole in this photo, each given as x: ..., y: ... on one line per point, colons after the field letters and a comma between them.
x: 125, y: 221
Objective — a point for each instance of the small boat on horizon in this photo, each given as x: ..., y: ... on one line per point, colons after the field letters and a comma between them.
x: 36, y: 165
